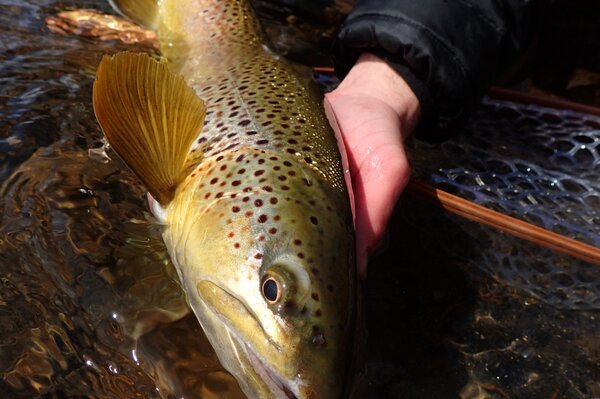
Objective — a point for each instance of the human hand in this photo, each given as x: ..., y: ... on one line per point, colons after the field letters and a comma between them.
x: 372, y: 111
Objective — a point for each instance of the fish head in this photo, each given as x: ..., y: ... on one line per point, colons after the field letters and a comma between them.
x: 267, y: 263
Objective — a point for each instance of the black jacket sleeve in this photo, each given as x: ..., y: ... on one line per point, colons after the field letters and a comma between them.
x: 448, y: 51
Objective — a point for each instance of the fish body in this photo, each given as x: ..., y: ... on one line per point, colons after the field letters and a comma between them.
x: 255, y: 209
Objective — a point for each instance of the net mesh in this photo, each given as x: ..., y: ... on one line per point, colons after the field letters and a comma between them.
x: 535, y: 163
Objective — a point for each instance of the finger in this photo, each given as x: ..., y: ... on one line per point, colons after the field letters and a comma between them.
x: 378, y: 181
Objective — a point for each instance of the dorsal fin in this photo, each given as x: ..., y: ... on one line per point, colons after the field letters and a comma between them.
x: 144, y: 12
x: 150, y: 116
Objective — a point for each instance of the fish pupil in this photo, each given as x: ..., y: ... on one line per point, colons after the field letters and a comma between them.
x: 270, y: 290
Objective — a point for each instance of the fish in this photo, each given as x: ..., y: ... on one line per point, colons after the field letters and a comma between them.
x: 246, y: 178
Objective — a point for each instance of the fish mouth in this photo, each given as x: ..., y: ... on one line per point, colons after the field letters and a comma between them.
x: 241, y: 323
x: 275, y: 384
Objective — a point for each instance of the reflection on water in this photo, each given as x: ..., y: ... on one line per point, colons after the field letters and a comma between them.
x: 90, y: 305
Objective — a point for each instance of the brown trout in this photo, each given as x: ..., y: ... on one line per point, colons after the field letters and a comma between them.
x: 249, y: 188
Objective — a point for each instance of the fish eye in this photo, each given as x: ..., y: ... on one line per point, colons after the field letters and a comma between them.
x: 271, y: 290
x: 285, y: 284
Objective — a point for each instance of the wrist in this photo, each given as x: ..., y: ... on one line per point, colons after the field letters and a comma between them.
x: 373, y: 77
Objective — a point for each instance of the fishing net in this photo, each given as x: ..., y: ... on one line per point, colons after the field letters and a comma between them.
x: 535, y: 163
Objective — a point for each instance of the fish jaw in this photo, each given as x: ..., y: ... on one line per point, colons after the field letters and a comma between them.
x: 241, y: 328
x: 226, y: 244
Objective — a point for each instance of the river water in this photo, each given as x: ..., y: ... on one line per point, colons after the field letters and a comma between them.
x: 90, y: 305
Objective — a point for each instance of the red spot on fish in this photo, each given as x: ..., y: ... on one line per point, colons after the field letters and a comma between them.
x: 235, y: 209
x: 272, y: 230
x: 258, y: 256
x: 262, y: 218
x: 297, y: 242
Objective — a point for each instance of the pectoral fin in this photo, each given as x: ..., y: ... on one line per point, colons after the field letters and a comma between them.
x: 150, y: 116
x: 144, y: 12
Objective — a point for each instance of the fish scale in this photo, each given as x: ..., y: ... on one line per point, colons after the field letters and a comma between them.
x: 260, y: 103
x: 256, y: 218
